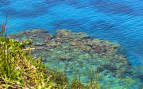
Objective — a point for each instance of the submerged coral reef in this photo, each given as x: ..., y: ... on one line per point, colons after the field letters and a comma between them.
x: 78, y: 54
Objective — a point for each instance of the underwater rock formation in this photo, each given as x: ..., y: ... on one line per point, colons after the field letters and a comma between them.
x: 70, y: 43
x: 69, y: 51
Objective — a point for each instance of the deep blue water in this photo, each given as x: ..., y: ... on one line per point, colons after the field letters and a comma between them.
x: 115, y: 20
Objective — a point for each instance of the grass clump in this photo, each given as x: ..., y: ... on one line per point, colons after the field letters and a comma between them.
x: 20, y: 70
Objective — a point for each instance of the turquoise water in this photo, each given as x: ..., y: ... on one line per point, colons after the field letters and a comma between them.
x: 114, y: 20
x: 119, y: 21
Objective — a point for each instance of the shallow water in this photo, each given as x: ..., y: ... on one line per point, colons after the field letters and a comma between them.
x: 118, y: 21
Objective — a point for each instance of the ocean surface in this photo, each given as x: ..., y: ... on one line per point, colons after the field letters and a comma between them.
x: 114, y: 20
x: 119, y: 21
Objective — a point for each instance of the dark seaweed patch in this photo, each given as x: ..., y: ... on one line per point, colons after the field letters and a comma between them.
x: 24, y: 13
x: 105, y: 29
x: 9, y: 11
x: 33, y: 13
x: 51, y: 3
x: 103, y: 25
x: 111, y: 7
x: 76, y: 3
x: 68, y: 24
x: 4, y: 2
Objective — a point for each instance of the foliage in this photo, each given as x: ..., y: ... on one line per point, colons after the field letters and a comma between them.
x: 18, y: 69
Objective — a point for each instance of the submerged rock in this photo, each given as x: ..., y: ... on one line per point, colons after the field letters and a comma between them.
x: 76, y: 51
